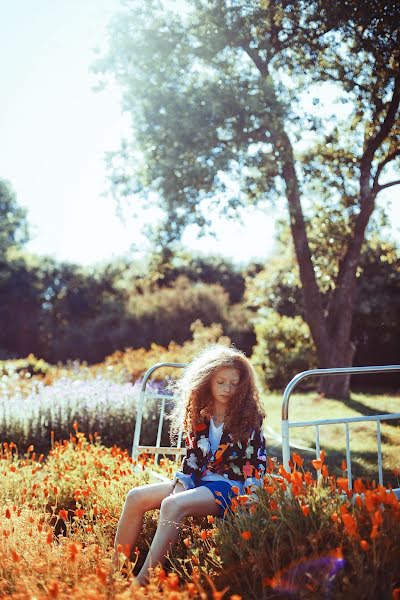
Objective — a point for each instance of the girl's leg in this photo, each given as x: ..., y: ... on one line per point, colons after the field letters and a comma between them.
x: 138, y: 501
x: 198, y: 502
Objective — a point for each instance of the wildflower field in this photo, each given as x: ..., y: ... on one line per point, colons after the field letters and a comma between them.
x: 59, y: 508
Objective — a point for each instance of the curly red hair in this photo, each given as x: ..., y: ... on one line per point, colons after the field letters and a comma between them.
x: 195, y: 402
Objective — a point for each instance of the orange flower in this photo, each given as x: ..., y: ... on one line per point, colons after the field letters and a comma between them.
x: 172, y: 581
x: 235, y: 490
x: 317, y: 464
x: 246, y: 535
x: 377, y: 518
x: 297, y: 477
x: 74, y: 550
x: 282, y: 471
x: 269, y: 488
x: 243, y: 499
x: 15, y: 556
x: 63, y: 514
x: 342, y: 483
x: 101, y: 574
x: 186, y: 541
x: 364, y: 545
x: 79, y: 512
x: 305, y: 509
x: 359, y: 501
x: 344, y: 465
x: 53, y: 589
x: 271, y: 464
x: 358, y: 486
x: 8, y: 513
x: 203, y: 534
x: 374, y: 532
x: 322, y: 455
x: 350, y: 524
x: 334, y: 517
x: 210, y: 518
x: 49, y: 538
x: 192, y: 589
x: 308, y: 478
x: 325, y: 472
x: 297, y: 459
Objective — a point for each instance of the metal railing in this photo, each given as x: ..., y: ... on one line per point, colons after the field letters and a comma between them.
x: 286, y: 424
x: 157, y: 449
x: 143, y: 396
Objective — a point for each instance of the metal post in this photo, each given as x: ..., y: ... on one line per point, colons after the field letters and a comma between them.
x: 141, y: 401
x: 319, y: 373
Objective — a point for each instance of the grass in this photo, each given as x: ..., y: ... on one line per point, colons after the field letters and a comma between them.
x: 312, y: 406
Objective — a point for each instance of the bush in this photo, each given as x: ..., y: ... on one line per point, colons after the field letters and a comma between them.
x: 284, y: 348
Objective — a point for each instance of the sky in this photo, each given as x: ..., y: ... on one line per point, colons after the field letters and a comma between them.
x: 55, y: 130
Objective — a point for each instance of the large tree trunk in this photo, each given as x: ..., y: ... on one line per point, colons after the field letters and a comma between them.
x: 341, y: 355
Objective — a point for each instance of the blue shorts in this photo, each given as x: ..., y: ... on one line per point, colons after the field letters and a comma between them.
x: 224, y: 496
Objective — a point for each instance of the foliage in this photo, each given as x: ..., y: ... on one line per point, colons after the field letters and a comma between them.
x: 102, y: 397
x: 197, y: 268
x: 375, y: 328
x: 13, y: 222
x: 64, y: 312
x: 321, y: 539
x: 222, y: 94
x: 284, y: 348
x: 135, y: 362
x: 59, y: 517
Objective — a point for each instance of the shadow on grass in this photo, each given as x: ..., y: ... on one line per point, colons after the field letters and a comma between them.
x: 367, y: 411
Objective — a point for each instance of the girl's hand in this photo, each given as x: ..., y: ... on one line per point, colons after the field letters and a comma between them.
x: 178, y: 487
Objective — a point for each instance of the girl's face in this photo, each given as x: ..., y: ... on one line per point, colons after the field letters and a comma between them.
x: 223, y: 384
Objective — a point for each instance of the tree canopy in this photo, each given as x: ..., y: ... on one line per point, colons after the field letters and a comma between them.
x: 247, y: 101
x: 13, y: 221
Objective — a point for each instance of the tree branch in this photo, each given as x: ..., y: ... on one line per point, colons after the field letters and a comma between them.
x: 261, y: 65
x: 374, y: 143
x: 388, y: 185
x: 382, y: 164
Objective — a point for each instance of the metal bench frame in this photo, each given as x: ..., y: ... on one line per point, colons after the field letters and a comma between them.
x: 143, y: 396
x: 285, y: 423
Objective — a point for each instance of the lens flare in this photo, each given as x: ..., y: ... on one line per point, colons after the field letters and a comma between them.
x: 316, y: 574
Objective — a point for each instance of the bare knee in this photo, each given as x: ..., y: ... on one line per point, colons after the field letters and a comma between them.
x: 138, y: 499
x: 171, y: 509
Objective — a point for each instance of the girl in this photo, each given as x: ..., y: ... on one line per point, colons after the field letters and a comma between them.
x: 219, y: 408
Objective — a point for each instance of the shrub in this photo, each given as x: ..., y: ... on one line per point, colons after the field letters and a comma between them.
x: 284, y: 348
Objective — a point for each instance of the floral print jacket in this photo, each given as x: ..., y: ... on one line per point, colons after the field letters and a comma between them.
x: 238, y: 461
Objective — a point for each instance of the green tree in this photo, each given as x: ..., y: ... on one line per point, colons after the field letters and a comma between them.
x: 13, y: 221
x: 276, y: 290
x: 218, y: 97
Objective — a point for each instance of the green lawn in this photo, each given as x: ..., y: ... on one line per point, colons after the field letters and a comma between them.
x: 310, y: 406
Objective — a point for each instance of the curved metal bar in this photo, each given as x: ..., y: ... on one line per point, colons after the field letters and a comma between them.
x: 151, y: 370
x: 322, y: 373
x: 141, y: 399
